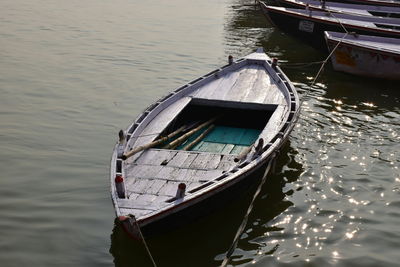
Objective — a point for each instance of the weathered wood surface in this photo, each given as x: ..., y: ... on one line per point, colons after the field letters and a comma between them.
x: 248, y: 84
x: 156, y: 157
x: 274, y: 123
x: 217, y: 88
x: 156, y: 174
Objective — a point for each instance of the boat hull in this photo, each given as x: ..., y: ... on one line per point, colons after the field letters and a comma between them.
x: 311, y: 30
x: 364, y: 61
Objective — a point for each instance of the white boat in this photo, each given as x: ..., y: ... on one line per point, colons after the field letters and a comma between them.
x: 338, y: 7
x: 201, y: 145
x: 365, y: 55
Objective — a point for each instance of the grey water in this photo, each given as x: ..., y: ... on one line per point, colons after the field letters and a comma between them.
x: 72, y: 73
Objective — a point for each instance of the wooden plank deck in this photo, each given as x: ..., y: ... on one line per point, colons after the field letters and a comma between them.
x: 154, y: 177
x: 251, y: 83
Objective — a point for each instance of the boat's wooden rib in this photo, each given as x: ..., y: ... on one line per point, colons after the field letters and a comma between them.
x: 250, y: 99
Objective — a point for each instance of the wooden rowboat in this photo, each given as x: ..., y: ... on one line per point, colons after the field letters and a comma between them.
x: 309, y: 25
x: 371, y: 56
x: 338, y: 7
x: 201, y: 145
x: 389, y: 3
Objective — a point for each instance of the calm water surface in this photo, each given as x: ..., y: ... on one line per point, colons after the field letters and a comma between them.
x: 72, y: 73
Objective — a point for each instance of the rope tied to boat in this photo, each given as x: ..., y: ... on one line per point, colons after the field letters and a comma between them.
x: 143, y: 239
x: 246, y: 216
x: 328, y: 57
x: 341, y: 24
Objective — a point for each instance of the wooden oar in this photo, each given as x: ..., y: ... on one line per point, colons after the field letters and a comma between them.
x: 181, y: 139
x: 199, y: 138
x: 153, y: 144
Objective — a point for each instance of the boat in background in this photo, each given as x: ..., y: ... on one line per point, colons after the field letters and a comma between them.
x: 364, y: 55
x: 390, y: 3
x: 201, y: 145
x: 310, y: 25
x: 338, y: 7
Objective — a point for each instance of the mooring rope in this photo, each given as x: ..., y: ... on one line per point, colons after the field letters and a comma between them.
x: 244, y: 221
x: 327, y: 58
x: 144, y: 240
x: 341, y: 24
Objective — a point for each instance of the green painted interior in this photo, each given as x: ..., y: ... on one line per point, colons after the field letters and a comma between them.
x: 224, y: 140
